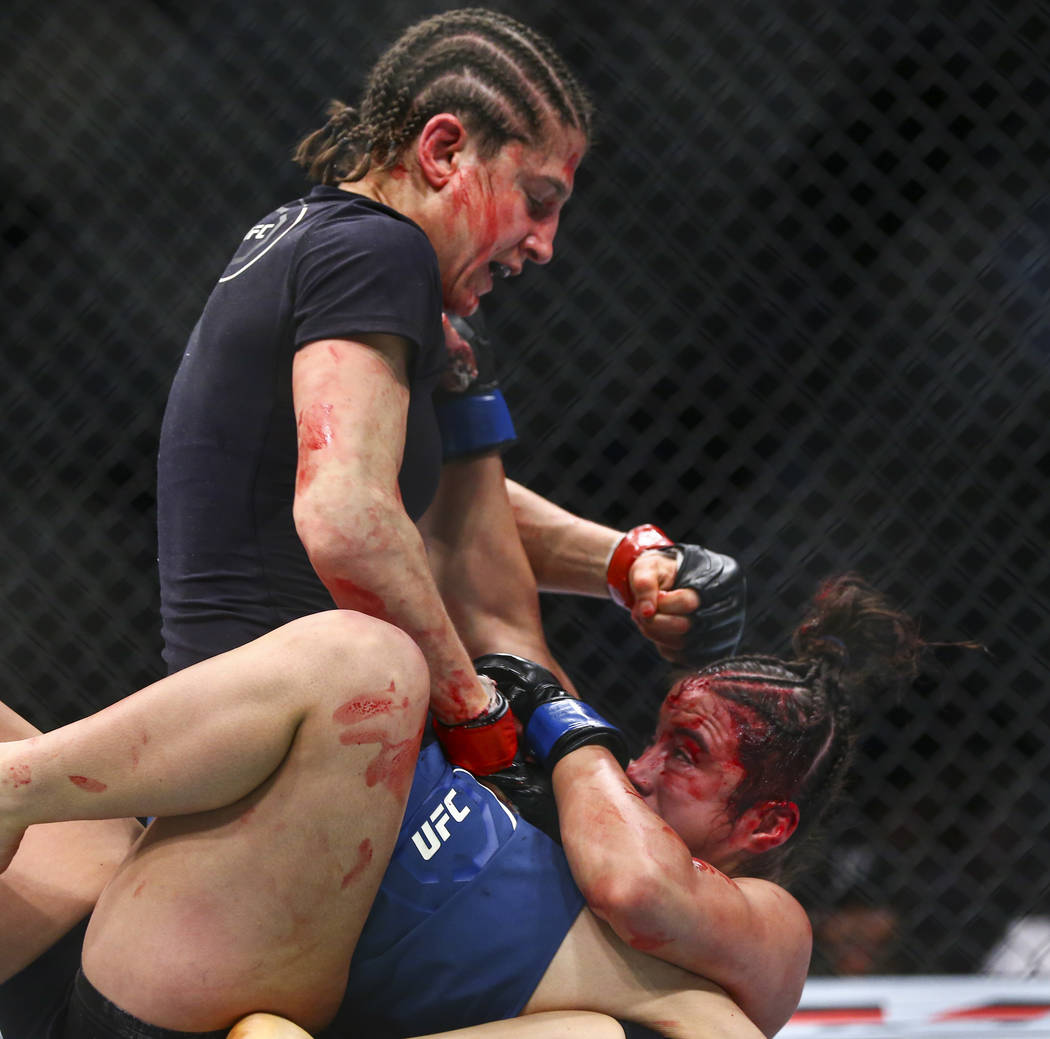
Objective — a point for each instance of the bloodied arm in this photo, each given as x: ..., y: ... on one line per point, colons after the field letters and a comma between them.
x: 747, y: 935
x: 351, y: 402
x: 480, y: 565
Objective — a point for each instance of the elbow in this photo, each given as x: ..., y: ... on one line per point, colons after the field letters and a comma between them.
x: 629, y: 902
x: 348, y: 537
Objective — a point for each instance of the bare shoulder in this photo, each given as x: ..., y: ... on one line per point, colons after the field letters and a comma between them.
x: 782, y: 910
x: 782, y: 945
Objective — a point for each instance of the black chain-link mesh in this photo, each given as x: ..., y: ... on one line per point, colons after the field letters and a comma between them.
x: 797, y: 313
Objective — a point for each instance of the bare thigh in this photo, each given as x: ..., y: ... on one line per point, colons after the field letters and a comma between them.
x: 257, y: 905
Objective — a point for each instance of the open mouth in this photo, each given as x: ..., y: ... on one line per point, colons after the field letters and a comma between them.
x: 499, y: 270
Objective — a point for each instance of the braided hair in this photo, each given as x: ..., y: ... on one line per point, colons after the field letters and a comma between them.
x: 796, y: 716
x: 503, y: 79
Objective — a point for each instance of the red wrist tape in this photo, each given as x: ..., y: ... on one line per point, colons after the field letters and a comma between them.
x: 631, y: 546
x: 481, y: 746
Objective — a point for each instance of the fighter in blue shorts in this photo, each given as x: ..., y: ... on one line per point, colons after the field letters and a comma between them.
x: 282, y: 821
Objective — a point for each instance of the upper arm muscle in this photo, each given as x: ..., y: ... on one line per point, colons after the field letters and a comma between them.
x: 351, y: 403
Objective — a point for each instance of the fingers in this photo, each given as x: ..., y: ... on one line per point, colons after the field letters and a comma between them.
x: 651, y: 573
x: 668, y: 628
x: 678, y: 603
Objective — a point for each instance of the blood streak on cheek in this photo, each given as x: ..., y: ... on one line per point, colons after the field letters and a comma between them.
x: 464, y: 199
x: 91, y: 786
x: 364, y: 857
x: 20, y: 775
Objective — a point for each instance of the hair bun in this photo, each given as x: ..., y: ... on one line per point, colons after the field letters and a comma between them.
x: 854, y: 626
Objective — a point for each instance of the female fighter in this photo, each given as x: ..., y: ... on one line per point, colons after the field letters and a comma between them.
x: 300, y: 442
x: 279, y: 834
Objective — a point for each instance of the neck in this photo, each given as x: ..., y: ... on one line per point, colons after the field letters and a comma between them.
x: 369, y: 189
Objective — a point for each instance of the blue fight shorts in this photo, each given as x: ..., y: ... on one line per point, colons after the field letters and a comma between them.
x: 473, y: 907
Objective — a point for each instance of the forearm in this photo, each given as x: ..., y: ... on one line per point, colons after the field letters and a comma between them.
x: 371, y: 558
x: 622, y: 855
x: 566, y: 553
x: 480, y: 566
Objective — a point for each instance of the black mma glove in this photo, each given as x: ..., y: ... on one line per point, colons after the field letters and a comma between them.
x: 528, y: 789
x: 555, y: 722
x: 718, y: 625
x: 472, y: 415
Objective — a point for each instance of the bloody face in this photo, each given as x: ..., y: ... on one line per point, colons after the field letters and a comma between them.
x: 500, y: 212
x: 690, y: 772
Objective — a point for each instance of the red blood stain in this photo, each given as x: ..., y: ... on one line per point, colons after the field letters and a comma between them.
x: 20, y: 775
x: 350, y: 596
x: 364, y: 857
x: 91, y: 786
x: 706, y: 867
x: 454, y: 690
x: 394, y: 763
x: 395, y: 767
x: 315, y: 434
x: 362, y: 707
x: 315, y: 427
x: 569, y: 170
x: 647, y: 942
x: 473, y: 200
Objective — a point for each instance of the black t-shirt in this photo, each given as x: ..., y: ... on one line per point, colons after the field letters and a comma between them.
x: 331, y: 265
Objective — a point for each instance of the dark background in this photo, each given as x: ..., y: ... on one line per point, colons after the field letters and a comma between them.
x: 797, y: 313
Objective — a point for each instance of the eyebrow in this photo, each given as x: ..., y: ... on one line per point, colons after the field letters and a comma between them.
x: 557, y: 186
x: 692, y: 734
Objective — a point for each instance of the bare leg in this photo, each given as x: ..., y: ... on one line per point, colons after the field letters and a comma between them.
x: 279, y: 771
x: 566, y: 1024
x: 57, y: 875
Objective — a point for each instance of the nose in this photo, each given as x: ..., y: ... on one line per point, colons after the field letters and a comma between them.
x: 539, y: 242
x: 642, y: 770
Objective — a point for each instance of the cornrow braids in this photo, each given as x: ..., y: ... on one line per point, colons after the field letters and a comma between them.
x: 502, y: 78
x: 796, y: 716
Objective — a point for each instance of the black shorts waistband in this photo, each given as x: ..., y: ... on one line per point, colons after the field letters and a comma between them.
x: 92, y: 1016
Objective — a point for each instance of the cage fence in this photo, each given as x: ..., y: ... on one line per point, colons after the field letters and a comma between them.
x: 797, y: 314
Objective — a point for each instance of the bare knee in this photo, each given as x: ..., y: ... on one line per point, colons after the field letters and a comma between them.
x: 345, y: 650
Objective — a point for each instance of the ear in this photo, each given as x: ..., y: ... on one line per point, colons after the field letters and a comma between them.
x: 770, y: 824
x: 440, y: 142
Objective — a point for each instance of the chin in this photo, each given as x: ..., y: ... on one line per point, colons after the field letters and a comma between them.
x: 462, y: 307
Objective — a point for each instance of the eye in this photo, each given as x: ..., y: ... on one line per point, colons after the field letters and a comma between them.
x: 685, y: 751
x: 537, y: 206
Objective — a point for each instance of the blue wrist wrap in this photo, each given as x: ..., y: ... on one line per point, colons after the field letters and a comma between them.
x: 553, y: 720
x: 471, y: 423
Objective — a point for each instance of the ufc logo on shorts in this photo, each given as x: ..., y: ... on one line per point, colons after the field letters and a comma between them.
x: 259, y: 231
x: 426, y: 840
